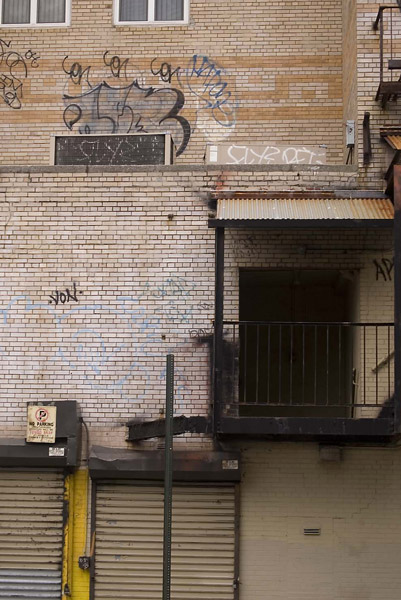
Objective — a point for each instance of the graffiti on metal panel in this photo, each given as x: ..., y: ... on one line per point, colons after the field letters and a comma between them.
x: 127, y: 108
x: 111, y: 348
x: 14, y: 68
x: 384, y: 268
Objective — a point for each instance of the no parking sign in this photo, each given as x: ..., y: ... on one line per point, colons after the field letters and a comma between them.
x: 41, y: 426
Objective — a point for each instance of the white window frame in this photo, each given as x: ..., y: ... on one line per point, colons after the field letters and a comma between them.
x: 151, y: 16
x: 33, y: 17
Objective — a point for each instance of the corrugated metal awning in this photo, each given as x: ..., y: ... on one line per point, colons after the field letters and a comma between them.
x: 293, y: 211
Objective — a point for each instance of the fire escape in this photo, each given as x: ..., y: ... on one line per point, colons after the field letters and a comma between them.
x: 388, y: 23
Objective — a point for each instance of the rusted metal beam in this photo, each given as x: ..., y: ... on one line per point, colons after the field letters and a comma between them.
x: 341, y: 430
x: 151, y: 429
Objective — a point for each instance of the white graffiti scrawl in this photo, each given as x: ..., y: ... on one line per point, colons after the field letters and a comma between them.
x: 267, y: 154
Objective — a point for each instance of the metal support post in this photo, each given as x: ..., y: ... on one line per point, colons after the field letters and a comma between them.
x: 218, y: 327
x: 168, y: 477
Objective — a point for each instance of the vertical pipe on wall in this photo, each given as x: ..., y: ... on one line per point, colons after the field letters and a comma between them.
x: 168, y: 477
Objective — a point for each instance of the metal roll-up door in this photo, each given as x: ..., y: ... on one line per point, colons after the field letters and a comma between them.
x: 31, y: 535
x: 129, y: 542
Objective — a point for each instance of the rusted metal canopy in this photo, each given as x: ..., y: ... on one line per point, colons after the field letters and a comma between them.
x: 111, y: 463
x: 302, y: 210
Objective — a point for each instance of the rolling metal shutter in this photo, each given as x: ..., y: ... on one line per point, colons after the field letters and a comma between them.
x: 31, y: 535
x: 129, y: 542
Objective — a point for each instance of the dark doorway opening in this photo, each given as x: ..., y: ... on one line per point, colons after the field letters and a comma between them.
x: 296, y: 349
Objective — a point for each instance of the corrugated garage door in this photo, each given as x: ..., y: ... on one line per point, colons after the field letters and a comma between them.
x: 31, y: 535
x: 129, y: 542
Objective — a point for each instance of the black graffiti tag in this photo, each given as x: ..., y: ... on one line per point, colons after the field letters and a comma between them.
x: 63, y: 297
x: 165, y: 71
x: 116, y: 64
x: 108, y: 109
x: 384, y: 268
x: 76, y: 72
x: 13, y: 70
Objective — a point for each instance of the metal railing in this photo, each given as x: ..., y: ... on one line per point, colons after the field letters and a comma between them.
x: 343, y: 368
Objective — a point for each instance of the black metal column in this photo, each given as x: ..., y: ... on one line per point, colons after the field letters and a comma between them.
x: 218, y: 327
x: 397, y: 297
x: 168, y: 478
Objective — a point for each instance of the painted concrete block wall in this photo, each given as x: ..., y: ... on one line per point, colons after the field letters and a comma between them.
x: 356, y: 503
x: 247, y: 73
x: 105, y: 272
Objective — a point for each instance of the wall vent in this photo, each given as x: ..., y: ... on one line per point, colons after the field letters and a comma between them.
x: 312, y: 531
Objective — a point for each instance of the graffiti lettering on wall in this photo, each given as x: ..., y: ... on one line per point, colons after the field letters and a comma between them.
x: 76, y: 72
x: 384, y: 268
x: 113, y: 348
x: 266, y: 155
x: 200, y: 333
x: 208, y: 82
x: 245, y: 247
x: 165, y: 71
x: 102, y: 107
x: 13, y: 71
x: 116, y: 65
x: 66, y: 296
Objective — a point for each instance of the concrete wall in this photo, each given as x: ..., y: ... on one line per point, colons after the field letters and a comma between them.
x: 356, y: 503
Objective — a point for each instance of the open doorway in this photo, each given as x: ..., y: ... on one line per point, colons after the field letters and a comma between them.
x: 296, y: 349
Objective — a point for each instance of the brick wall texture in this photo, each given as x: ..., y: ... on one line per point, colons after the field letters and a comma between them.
x: 279, y: 70
x: 104, y: 271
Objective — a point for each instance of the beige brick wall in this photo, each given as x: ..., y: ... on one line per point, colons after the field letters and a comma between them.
x: 137, y: 247
x: 280, y: 66
x: 350, y: 91
x: 356, y: 503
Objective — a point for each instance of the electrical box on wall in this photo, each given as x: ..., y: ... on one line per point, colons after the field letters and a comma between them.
x: 350, y: 134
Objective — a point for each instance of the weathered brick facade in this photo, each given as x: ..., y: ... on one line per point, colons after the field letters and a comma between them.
x: 104, y: 269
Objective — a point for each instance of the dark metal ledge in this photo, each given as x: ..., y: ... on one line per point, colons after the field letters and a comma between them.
x: 145, y: 430
x: 300, y: 223
x: 115, y: 463
x: 309, y: 429
x: 18, y: 453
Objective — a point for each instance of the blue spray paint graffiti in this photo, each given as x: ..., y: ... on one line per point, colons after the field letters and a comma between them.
x: 114, y: 349
x: 208, y: 82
